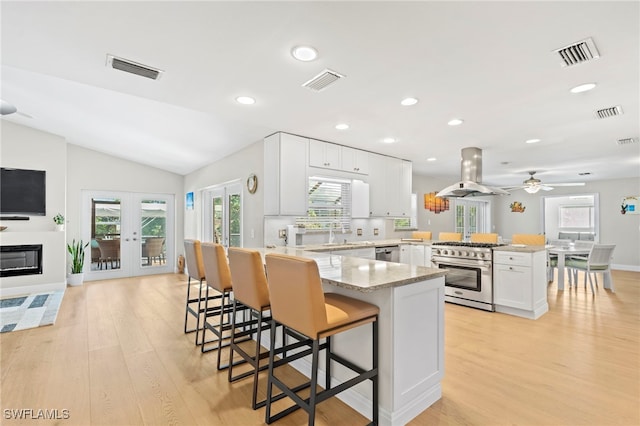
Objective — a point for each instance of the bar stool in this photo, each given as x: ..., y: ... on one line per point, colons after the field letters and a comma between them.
x: 217, y: 318
x: 298, y: 302
x: 195, y: 269
x: 250, y: 288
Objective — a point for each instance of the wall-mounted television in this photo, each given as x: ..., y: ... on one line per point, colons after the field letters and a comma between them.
x: 23, y: 192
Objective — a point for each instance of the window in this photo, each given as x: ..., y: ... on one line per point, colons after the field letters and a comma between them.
x: 582, y: 217
x: 329, y: 205
x: 471, y: 217
x: 410, y: 222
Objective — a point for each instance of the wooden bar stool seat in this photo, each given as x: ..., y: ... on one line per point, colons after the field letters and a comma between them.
x: 298, y: 302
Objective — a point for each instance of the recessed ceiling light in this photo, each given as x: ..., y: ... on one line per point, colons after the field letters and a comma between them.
x: 583, y: 88
x: 388, y: 140
x: 455, y: 122
x: 304, y: 53
x: 342, y: 126
x: 532, y: 141
x: 431, y: 159
x: 408, y: 101
x: 245, y: 100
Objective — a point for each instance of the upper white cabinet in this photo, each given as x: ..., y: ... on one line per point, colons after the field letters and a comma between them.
x: 390, y: 183
x: 326, y: 155
x: 285, y: 175
x: 355, y: 160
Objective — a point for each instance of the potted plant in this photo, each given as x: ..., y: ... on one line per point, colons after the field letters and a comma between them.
x: 59, y: 221
x: 76, y: 250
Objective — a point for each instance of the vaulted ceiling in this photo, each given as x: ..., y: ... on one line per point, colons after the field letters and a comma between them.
x: 491, y: 64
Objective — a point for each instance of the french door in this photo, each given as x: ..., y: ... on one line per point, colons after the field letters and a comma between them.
x: 130, y: 234
x: 223, y: 214
x: 471, y: 217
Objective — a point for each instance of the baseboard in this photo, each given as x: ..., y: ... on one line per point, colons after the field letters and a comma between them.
x: 30, y: 289
x: 632, y: 268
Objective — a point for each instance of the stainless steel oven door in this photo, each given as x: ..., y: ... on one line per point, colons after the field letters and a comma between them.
x: 467, y: 283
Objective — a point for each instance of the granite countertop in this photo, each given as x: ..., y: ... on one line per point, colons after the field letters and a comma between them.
x: 520, y: 248
x: 350, y: 245
x: 359, y: 274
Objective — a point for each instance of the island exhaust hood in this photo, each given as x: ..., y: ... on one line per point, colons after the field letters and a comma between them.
x: 471, y: 175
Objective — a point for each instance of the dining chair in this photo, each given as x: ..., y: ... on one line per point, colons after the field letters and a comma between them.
x: 109, y: 252
x: 152, y: 249
x: 450, y: 236
x: 425, y: 235
x: 484, y: 238
x: 528, y: 239
x: 599, y: 260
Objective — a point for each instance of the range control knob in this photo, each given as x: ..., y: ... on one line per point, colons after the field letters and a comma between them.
x: 473, y: 254
x: 480, y: 255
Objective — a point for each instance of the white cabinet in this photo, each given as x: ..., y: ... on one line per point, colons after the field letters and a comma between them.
x: 285, y: 175
x: 390, y: 186
x: 519, y: 283
x: 364, y: 252
x: 355, y: 160
x: 415, y: 254
x: 359, y: 199
x: 325, y: 155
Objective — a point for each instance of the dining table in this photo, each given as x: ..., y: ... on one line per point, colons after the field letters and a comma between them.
x: 562, y: 252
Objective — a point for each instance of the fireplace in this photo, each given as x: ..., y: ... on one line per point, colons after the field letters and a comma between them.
x: 20, y: 260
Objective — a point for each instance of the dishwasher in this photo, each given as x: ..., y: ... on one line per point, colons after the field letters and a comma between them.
x: 388, y: 254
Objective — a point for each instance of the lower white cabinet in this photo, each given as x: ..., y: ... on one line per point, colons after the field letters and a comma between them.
x: 415, y: 254
x: 519, y: 283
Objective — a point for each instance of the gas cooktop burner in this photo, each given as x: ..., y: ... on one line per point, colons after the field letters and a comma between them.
x: 466, y: 244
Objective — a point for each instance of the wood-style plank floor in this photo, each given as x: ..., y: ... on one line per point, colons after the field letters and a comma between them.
x: 117, y: 356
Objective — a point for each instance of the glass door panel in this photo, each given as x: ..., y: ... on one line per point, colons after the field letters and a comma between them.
x: 235, y: 218
x: 131, y: 234
x: 223, y: 215
x: 153, y: 223
x: 106, y: 222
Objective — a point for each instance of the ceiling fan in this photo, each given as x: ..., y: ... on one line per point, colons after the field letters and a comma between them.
x: 533, y: 185
x: 7, y: 108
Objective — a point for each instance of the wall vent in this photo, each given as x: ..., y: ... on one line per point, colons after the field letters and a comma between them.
x: 323, y: 80
x: 626, y: 141
x: 609, y: 112
x: 577, y: 53
x: 133, y: 67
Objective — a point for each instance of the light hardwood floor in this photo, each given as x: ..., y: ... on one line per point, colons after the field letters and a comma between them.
x: 117, y: 356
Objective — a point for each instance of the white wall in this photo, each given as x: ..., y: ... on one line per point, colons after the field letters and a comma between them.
x: 237, y: 166
x: 26, y: 148
x: 615, y: 228
x: 92, y: 170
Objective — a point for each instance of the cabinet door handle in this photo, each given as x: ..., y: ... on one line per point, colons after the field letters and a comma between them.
x: 510, y: 268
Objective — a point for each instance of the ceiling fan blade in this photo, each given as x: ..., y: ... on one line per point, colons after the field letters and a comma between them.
x: 568, y: 184
x: 24, y: 114
x: 546, y: 188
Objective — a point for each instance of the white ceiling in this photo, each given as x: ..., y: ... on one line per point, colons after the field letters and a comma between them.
x: 489, y: 63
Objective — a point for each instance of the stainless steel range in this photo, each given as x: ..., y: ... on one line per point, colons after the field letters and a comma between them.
x: 470, y: 278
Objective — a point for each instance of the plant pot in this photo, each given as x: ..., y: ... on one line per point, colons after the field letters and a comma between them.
x: 60, y: 227
x: 75, y: 279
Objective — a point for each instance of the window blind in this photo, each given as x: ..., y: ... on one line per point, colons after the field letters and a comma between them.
x: 329, y: 205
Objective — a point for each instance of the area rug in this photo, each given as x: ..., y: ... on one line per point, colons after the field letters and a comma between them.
x: 34, y: 310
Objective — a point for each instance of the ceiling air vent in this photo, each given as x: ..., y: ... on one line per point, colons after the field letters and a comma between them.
x: 133, y: 67
x: 626, y: 141
x: 609, y: 112
x: 323, y: 80
x: 578, y: 53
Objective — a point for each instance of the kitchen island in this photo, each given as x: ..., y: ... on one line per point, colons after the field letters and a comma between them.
x: 411, y: 332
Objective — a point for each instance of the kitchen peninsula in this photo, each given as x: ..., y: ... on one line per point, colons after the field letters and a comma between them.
x: 411, y: 358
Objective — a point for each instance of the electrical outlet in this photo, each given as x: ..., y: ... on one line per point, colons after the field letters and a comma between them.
x: 359, y: 232
x: 282, y: 233
x: 375, y: 231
